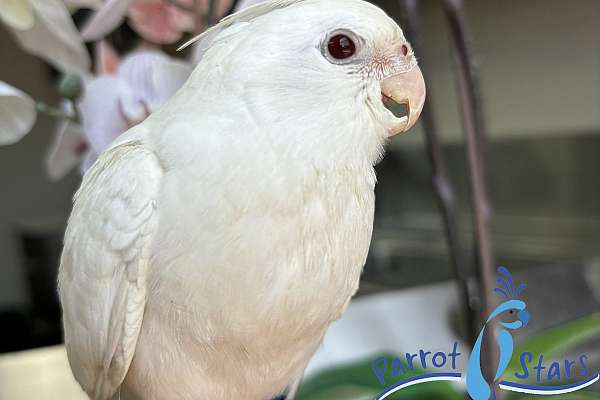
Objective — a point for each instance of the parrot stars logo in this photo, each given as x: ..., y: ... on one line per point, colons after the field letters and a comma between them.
x: 478, y: 387
x: 510, y: 316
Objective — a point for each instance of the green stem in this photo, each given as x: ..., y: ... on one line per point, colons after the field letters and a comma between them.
x: 56, y: 112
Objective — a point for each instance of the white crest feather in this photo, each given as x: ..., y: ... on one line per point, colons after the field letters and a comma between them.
x: 244, y: 15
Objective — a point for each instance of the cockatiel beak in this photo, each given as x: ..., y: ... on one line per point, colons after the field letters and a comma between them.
x: 406, y: 88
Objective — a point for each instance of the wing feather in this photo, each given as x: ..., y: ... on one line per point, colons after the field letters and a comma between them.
x: 102, y: 279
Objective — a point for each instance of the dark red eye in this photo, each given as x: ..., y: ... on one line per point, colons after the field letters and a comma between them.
x: 404, y: 49
x: 341, y: 47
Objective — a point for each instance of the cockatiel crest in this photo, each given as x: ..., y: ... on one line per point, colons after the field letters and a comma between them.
x: 210, y: 247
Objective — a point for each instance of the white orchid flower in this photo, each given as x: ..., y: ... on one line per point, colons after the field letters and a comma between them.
x: 68, y: 148
x: 111, y: 104
x: 144, y: 81
x: 17, y: 114
x: 45, y: 28
x: 17, y: 14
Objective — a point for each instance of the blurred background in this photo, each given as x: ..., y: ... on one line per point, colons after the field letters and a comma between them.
x: 538, y: 69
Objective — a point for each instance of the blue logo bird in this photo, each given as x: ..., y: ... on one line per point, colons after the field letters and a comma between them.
x: 477, y: 386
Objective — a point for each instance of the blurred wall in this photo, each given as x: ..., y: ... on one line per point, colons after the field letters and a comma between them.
x: 28, y: 200
x: 539, y: 69
x: 539, y: 66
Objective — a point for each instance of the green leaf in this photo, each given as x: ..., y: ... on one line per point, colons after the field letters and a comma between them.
x: 553, y: 341
x: 357, y: 381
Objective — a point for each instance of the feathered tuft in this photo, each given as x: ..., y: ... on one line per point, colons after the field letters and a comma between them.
x: 245, y: 15
x: 507, y: 287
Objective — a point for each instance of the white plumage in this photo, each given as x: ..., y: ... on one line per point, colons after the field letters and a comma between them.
x: 212, y: 245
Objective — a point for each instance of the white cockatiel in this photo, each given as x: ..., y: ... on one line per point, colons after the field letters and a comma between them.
x: 211, y: 246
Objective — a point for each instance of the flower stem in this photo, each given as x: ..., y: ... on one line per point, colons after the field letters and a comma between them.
x: 56, y: 112
x: 474, y: 131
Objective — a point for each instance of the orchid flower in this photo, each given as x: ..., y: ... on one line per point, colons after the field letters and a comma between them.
x: 17, y: 114
x: 123, y: 95
x: 68, y: 148
x: 45, y: 28
x: 156, y: 21
x: 159, y: 21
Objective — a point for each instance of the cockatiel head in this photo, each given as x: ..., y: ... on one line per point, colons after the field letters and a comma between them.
x: 315, y: 74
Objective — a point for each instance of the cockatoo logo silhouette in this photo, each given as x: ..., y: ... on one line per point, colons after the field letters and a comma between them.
x: 509, y: 316
x: 478, y: 387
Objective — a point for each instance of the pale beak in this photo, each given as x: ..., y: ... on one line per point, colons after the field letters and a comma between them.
x: 406, y: 88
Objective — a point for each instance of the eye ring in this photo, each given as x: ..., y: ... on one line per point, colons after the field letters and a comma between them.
x: 341, y: 47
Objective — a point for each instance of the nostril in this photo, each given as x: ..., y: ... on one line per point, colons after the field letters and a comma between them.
x: 404, y: 49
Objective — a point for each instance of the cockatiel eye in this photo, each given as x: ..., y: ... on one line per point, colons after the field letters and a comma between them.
x: 340, y: 46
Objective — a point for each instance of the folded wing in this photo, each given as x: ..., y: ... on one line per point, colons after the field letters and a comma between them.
x: 102, y: 278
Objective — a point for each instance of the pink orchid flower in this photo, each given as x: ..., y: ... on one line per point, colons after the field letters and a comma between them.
x: 157, y: 21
